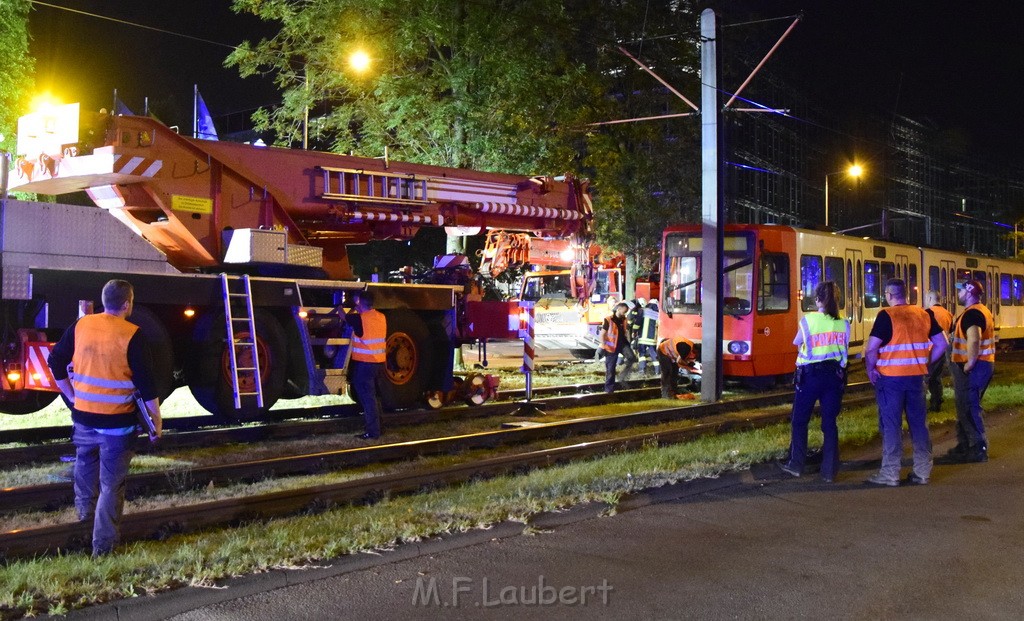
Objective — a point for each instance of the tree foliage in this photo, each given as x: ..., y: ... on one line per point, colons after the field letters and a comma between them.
x: 499, y: 85
x: 16, y: 77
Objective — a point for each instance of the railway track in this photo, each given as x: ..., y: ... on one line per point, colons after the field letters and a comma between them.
x: 42, y: 444
x: 723, y: 416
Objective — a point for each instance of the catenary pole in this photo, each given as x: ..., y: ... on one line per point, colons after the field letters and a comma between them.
x: 712, y: 205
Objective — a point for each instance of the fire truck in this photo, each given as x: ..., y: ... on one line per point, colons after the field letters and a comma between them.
x: 572, y: 286
x: 238, y: 258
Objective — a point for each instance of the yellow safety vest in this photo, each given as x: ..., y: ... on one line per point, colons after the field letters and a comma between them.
x: 824, y: 339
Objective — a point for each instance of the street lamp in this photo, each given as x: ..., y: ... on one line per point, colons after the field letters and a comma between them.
x: 854, y: 171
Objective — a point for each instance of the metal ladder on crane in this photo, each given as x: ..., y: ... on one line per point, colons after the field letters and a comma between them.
x: 237, y: 309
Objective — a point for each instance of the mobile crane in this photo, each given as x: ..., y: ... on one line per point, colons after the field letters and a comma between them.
x: 239, y: 287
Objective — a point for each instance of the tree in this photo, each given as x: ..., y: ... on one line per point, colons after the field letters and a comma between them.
x: 493, y: 85
x: 455, y: 83
x: 16, y: 77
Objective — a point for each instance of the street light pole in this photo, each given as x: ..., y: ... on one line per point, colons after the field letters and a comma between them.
x: 826, y: 201
x: 854, y: 170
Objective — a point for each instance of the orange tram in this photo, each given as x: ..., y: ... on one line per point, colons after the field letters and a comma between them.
x: 769, y: 274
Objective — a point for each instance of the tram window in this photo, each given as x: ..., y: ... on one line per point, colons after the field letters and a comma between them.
x: 888, y: 272
x: 834, y: 272
x: 683, y: 287
x: 810, y: 276
x: 963, y: 275
x: 1018, y: 290
x: 872, y: 285
x: 1005, y: 290
x: 912, y: 282
x: 774, y: 291
x: 933, y: 278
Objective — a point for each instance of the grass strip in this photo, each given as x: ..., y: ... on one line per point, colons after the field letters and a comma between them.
x: 55, y: 585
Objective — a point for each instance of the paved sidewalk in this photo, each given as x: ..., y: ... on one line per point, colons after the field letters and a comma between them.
x: 750, y: 545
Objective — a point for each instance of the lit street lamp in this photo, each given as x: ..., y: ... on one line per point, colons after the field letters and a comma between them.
x: 854, y: 171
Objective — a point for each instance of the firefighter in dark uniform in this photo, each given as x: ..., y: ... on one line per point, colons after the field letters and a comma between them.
x: 369, y: 353
x: 822, y: 343
x: 615, y: 342
x: 675, y: 354
x: 938, y: 368
x: 973, y: 362
x: 903, y: 341
x: 647, y: 338
x: 110, y: 360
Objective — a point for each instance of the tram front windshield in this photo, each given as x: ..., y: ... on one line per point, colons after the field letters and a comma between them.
x: 682, y: 273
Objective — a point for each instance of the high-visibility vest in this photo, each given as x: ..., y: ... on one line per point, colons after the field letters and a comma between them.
x: 649, y: 330
x: 824, y: 339
x: 372, y: 345
x: 987, y: 348
x: 611, y: 335
x: 102, y: 378
x: 668, y: 348
x: 942, y: 317
x: 906, y: 354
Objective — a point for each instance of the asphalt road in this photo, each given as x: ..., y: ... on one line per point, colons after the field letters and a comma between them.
x: 744, y: 546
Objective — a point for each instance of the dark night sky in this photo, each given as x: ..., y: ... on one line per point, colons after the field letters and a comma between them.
x: 937, y: 60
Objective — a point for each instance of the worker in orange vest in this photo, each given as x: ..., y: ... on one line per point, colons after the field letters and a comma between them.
x: 675, y: 354
x: 903, y: 341
x: 938, y: 368
x: 973, y: 361
x: 614, y: 338
x: 369, y: 353
x: 111, y: 359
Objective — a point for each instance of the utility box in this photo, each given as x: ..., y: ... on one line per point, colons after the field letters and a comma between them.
x: 254, y: 246
x: 310, y: 256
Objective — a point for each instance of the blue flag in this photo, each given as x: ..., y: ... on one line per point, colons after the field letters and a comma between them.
x: 203, y: 121
x: 119, y: 108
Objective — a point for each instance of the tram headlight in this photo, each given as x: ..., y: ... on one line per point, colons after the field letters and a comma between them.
x: 738, y: 348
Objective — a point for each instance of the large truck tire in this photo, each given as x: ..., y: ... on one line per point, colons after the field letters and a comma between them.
x: 160, y: 347
x: 34, y: 401
x: 410, y: 355
x: 208, y: 370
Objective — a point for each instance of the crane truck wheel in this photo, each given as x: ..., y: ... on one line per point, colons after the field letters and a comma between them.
x: 160, y: 346
x: 409, y: 358
x: 208, y: 371
x: 33, y: 402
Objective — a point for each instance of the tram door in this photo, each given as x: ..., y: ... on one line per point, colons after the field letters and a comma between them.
x: 855, y: 296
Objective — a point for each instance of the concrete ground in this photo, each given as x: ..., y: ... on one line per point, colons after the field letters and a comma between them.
x: 747, y: 546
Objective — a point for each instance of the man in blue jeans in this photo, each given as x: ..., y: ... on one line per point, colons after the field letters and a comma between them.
x: 903, y: 341
x: 110, y: 359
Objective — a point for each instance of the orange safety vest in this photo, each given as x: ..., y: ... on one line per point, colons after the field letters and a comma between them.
x: 668, y: 348
x: 102, y: 379
x: 611, y: 335
x: 907, y: 352
x: 987, y: 349
x: 372, y: 345
x: 942, y: 317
